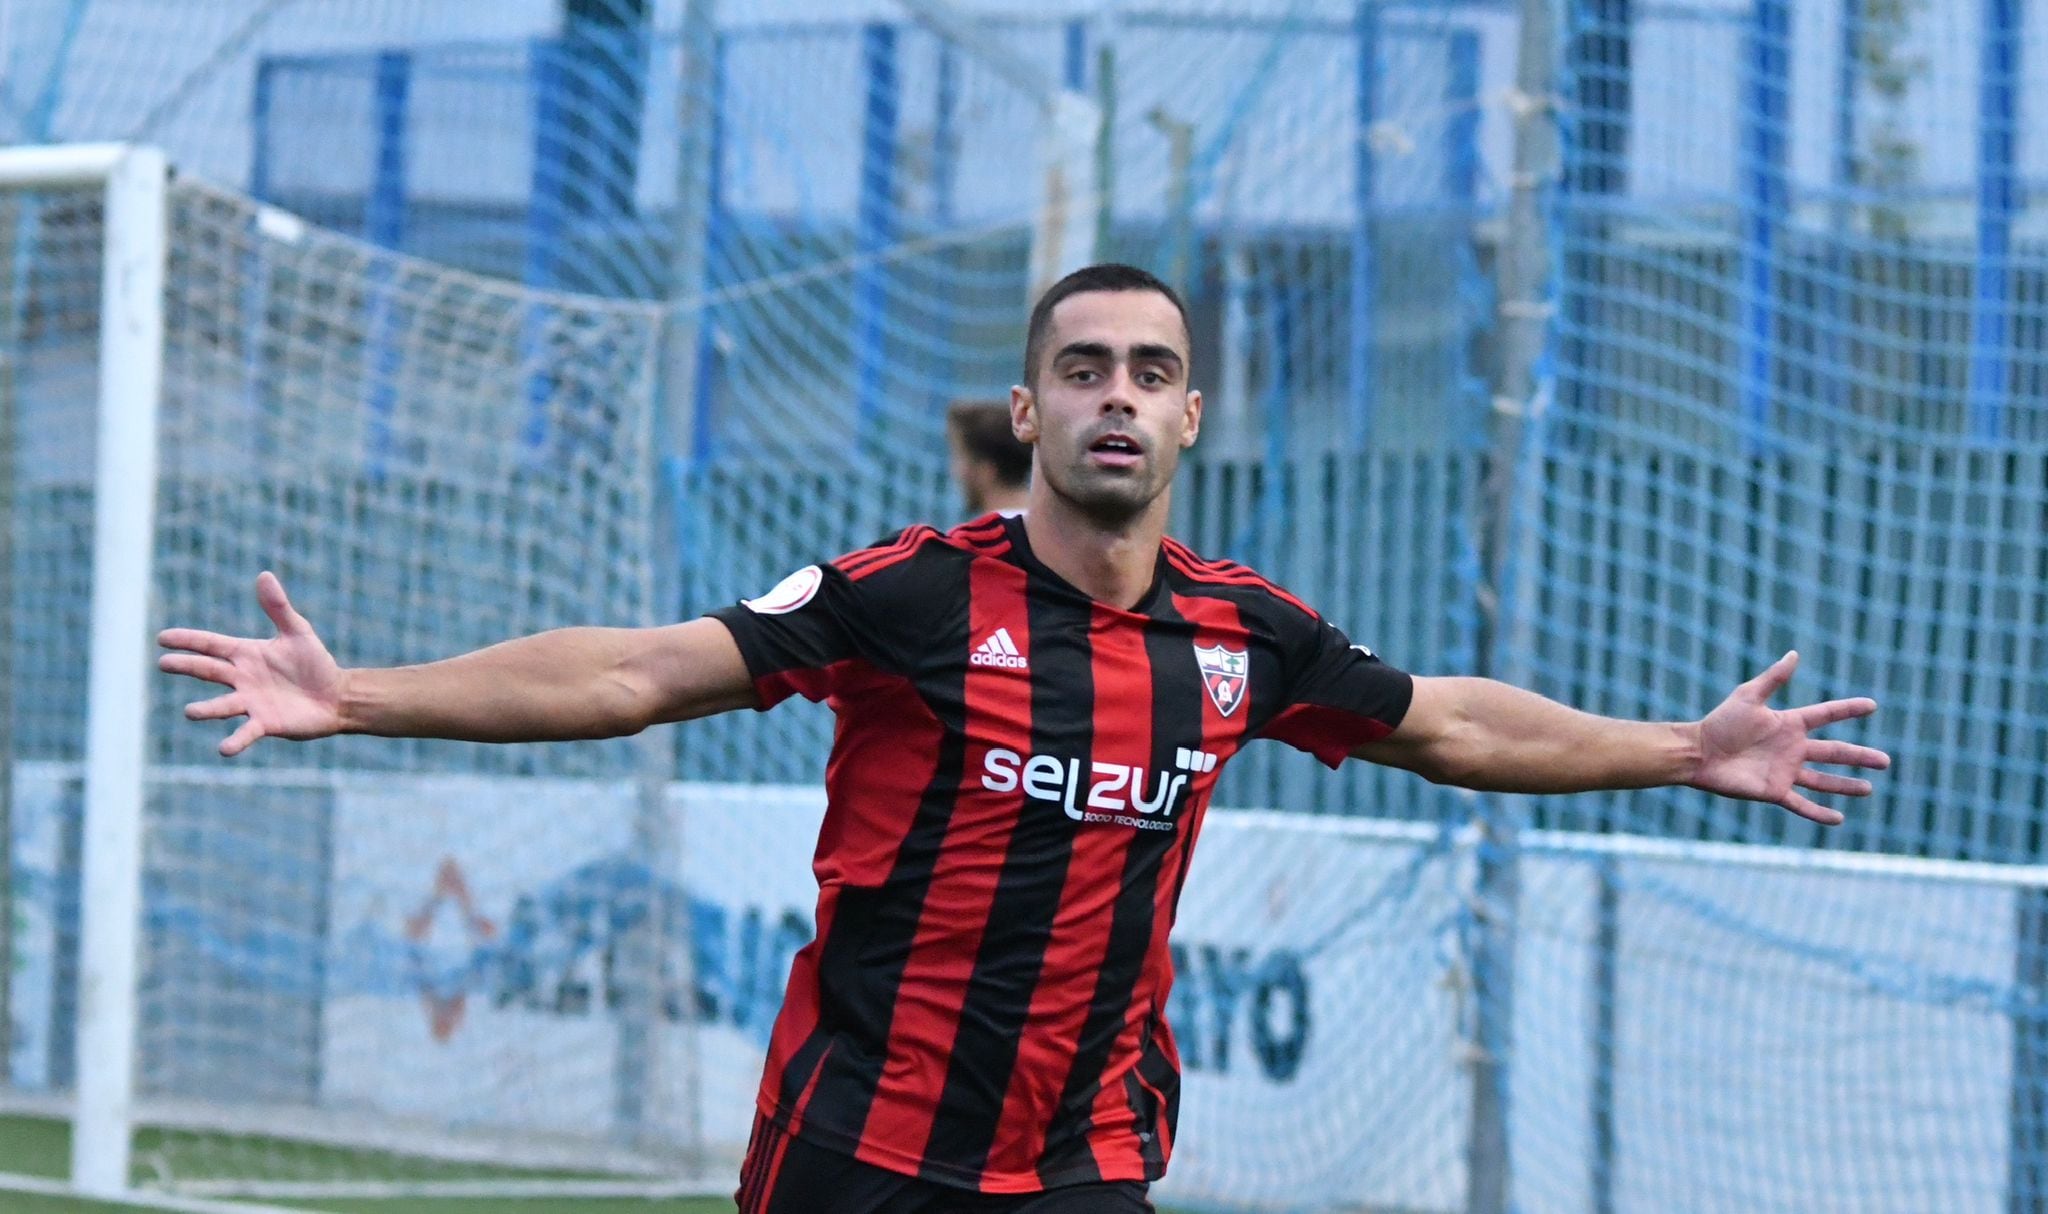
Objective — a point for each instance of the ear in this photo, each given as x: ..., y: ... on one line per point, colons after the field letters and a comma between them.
x: 1191, y: 420
x: 1023, y: 414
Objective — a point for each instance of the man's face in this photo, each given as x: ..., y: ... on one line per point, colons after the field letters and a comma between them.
x: 1109, y: 408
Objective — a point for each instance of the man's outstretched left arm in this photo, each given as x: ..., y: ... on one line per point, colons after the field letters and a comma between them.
x: 1481, y: 734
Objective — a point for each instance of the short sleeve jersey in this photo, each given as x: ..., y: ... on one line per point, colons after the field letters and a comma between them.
x: 1016, y: 783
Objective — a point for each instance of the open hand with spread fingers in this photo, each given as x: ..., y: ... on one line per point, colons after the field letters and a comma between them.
x: 1749, y: 749
x: 288, y: 686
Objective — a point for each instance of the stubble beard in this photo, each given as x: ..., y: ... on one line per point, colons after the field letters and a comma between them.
x: 1111, y: 501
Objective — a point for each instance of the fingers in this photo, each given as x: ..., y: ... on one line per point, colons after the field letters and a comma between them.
x: 1775, y: 676
x: 213, y: 670
x: 1815, y: 716
x: 1811, y: 811
x: 1825, y: 781
x: 271, y: 597
x: 213, y: 644
x: 1847, y: 754
x: 240, y: 740
x: 217, y: 708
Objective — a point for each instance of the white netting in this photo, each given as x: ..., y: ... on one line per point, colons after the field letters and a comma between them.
x: 331, y: 983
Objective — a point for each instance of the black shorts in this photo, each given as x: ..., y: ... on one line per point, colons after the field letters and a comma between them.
x: 785, y: 1175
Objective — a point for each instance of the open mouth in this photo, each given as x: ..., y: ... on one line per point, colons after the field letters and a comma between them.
x: 1116, y: 450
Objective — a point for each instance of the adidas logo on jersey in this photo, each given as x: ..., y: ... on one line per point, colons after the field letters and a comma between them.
x: 1000, y: 651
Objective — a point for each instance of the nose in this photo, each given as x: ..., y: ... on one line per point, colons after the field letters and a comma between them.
x: 1119, y: 395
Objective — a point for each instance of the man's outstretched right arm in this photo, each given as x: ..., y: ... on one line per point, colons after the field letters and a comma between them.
x: 553, y: 686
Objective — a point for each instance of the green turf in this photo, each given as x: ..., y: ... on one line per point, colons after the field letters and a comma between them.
x: 40, y: 1147
x: 30, y: 1203
x: 35, y: 1145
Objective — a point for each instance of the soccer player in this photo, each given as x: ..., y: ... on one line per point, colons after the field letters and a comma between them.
x: 990, y: 463
x: 1033, y: 712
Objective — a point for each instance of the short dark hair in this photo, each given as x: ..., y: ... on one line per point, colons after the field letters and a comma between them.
x: 983, y: 428
x: 1107, y: 276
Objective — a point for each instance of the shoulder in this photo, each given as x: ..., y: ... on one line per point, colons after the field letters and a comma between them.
x: 864, y: 563
x: 1237, y: 582
x: 985, y: 536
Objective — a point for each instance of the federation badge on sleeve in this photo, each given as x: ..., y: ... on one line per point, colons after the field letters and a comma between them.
x: 1226, y: 673
x: 789, y: 594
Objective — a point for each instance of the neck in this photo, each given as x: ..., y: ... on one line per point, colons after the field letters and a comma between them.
x: 1111, y: 563
x: 1005, y: 499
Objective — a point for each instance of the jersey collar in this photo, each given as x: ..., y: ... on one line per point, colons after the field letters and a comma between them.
x: 1020, y: 550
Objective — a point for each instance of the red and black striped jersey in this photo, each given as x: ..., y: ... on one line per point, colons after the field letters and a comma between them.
x: 1017, y: 778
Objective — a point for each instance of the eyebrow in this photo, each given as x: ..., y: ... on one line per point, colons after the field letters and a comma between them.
x: 1142, y: 352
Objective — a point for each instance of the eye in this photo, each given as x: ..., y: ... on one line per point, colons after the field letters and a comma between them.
x: 1151, y: 379
x: 1082, y: 375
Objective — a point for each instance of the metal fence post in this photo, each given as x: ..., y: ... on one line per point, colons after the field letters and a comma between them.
x: 1525, y: 314
x: 1365, y: 37
x: 1998, y: 90
x: 876, y: 221
x: 384, y: 225
x: 1766, y: 110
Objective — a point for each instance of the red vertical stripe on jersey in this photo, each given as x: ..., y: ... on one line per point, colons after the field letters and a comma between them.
x: 799, y: 1016
x: 1080, y: 935
x: 862, y: 829
x: 1216, y: 623
x: 926, y: 1017
x: 885, y: 752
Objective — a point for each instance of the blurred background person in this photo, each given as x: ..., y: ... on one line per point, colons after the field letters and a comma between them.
x: 990, y: 464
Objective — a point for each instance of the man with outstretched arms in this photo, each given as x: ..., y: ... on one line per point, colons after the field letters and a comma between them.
x: 1033, y: 713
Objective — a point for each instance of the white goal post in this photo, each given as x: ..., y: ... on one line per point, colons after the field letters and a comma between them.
x: 130, y: 378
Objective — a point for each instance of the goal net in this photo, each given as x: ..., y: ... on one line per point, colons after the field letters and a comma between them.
x: 373, y: 964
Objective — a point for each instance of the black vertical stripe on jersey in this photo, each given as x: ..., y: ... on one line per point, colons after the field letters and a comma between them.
x: 862, y: 943
x: 1011, y: 959
x: 1177, y: 696
x: 1156, y: 1069
x: 1270, y: 675
x: 796, y: 1074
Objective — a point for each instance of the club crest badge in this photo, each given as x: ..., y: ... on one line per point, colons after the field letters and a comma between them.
x: 1226, y: 673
